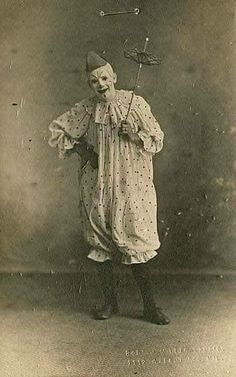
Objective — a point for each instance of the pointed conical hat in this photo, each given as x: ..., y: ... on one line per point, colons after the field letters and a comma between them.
x: 94, y: 61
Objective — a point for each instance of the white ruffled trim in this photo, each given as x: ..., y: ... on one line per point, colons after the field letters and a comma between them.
x: 148, y: 144
x: 74, y: 122
x: 138, y: 257
x: 99, y: 255
x: 60, y: 141
x: 135, y: 258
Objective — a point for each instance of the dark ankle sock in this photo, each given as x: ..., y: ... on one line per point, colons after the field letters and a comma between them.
x: 142, y: 276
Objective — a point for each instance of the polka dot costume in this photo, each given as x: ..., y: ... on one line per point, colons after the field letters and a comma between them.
x: 118, y: 200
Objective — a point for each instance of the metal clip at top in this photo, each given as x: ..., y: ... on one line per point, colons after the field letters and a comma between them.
x: 136, y: 11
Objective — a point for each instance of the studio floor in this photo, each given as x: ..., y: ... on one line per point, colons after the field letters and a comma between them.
x: 47, y: 329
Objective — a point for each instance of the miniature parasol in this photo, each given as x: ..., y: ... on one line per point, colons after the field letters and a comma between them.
x: 142, y: 58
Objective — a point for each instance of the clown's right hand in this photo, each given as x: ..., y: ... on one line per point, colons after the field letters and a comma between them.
x: 87, y: 153
x: 93, y: 159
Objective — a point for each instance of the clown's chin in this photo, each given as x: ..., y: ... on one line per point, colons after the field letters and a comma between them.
x: 104, y: 96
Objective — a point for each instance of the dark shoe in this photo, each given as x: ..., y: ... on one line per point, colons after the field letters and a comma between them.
x: 156, y: 316
x: 106, y: 311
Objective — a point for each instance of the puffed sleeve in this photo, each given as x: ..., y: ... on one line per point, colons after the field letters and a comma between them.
x: 68, y: 128
x: 146, y: 126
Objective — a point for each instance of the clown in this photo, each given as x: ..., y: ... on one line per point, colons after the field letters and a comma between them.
x: 117, y: 195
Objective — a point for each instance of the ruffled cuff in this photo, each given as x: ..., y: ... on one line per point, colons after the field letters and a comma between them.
x: 60, y: 141
x: 99, y: 255
x: 151, y: 144
x: 137, y: 258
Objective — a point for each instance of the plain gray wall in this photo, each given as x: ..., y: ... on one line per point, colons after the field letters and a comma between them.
x: 192, y: 93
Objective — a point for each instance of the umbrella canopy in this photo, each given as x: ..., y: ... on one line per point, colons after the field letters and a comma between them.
x: 141, y: 57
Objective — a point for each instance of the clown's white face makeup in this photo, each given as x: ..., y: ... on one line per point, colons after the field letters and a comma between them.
x: 102, y: 80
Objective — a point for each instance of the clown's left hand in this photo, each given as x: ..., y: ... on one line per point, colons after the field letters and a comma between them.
x: 125, y: 127
x: 127, y: 130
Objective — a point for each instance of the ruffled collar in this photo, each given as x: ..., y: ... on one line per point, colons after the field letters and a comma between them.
x: 114, y: 111
x: 111, y: 112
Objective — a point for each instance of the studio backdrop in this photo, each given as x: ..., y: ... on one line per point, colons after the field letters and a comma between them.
x: 191, y: 92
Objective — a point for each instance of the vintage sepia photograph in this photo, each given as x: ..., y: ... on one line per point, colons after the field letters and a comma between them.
x: 118, y: 188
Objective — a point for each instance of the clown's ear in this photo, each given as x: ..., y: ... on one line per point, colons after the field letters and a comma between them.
x: 88, y: 81
x: 114, y: 77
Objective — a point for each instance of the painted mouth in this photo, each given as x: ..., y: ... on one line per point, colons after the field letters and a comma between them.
x: 102, y: 91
